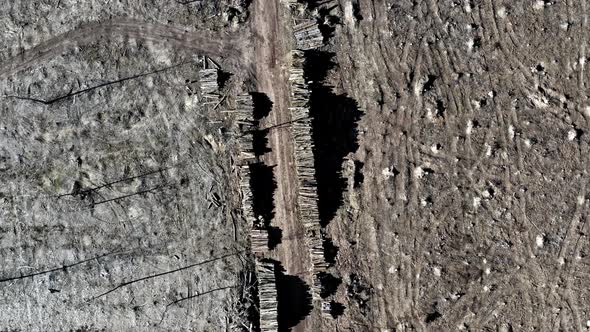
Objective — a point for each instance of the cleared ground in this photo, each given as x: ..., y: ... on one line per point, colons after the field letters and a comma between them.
x: 117, y: 192
x: 451, y: 158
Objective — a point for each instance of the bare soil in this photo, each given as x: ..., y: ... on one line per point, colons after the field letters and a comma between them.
x: 472, y: 210
x: 451, y: 159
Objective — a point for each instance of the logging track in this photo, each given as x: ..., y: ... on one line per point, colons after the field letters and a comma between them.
x: 269, y: 25
x: 216, y: 45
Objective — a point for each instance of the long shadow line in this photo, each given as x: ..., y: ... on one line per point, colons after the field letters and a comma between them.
x: 286, y: 124
x: 192, y: 297
x: 72, y: 94
x: 128, y: 195
x: 127, y: 283
x: 89, y: 190
x: 61, y: 268
x: 199, y: 294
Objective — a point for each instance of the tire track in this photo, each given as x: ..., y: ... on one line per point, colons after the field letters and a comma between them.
x: 216, y: 45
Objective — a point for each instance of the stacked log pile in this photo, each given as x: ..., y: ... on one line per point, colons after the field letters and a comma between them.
x: 308, y: 35
x: 290, y: 3
x: 245, y: 143
x: 326, y: 308
x: 259, y: 240
x: 208, y: 82
x: 265, y: 271
x: 247, y: 197
x: 244, y: 113
x: 267, y: 294
x: 307, y: 198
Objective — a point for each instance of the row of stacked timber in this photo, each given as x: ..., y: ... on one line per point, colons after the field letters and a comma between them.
x: 308, y: 35
x: 259, y: 240
x: 267, y: 294
x: 307, y: 197
x: 247, y: 197
x: 243, y: 114
x: 265, y: 271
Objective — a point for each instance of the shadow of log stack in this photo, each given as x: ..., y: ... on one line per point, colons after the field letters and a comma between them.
x: 307, y: 198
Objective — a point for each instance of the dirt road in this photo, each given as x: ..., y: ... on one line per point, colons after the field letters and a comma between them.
x: 216, y: 45
x: 272, y: 48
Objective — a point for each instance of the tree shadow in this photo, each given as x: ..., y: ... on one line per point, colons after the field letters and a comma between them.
x: 359, y: 177
x: 263, y: 187
x: 222, y: 78
x: 329, y: 284
x: 337, y: 309
x: 330, y: 250
x: 262, y: 105
x: 335, y: 122
x: 294, y: 299
x: 356, y: 10
x: 327, y: 23
x: 260, y: 142
x: 317, y: 65
x: 275, y: 237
